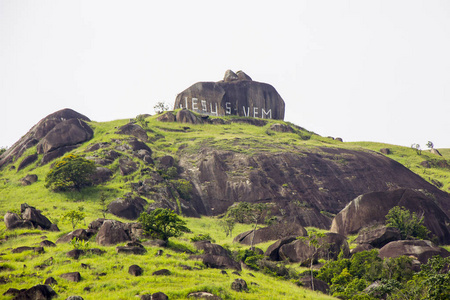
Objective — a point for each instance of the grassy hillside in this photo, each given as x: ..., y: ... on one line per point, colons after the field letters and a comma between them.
x: 107, y: 276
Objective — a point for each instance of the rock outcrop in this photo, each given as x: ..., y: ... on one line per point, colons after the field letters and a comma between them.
x: 372, y: 208
x: 54, y: 134
x: 421, y: 250
x: 237, y: 95
x: 271, y: 233
x: 129, y: 208
x: 301, y: 183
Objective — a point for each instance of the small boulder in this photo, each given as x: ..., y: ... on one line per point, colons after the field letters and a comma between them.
x: 134, y: 130
x: 72, y: 276
x: 161, y: 272
x: 131, y: 250
x: 127, y: 166
x: 137, y: 145
x: 135, y: 270
x: 50, y: 281
x: 101, y: 175
x: 33, y: 215
x: 74, y: 298
x: 79, y: 234
x: 29, y: 179
x: 281, y: 128
x: 159, y: 296
x: 75, y: 253
x: 112, y: 232
x: 38, y: 292
x: 239, y: 285
x: 204, y: 295
x: 39, y: 250
x: 420, y: 249
x: 425, y: 164
x: 166, y: 162
x: 47, y: 243
x: 273, y: 250
x: 378, y: 237
x: 27, y: 161
x: 187, y: 116
x: 13, y: 221
x: 219, y: 262
x: 128, y: 208
x: 385, y: 151
x: 209, y: 248
x: 319, y: 285
x: 166, y: 117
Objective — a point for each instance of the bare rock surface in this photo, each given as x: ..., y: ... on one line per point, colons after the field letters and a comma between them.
x: 420, y: 249
x: 371, y: 209
x: 274, y: 232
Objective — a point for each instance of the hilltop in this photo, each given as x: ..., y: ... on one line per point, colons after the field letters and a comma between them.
x: 199, y: 166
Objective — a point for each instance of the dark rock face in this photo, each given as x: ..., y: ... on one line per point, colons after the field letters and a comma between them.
x: 50, y: 281
x: 66, y: 133
x: 378, y: 237
x: 319, y: 285
x: 33, y: 215
x: 136, y: 250
x: 301, y: 183
x: 422, y: 250
x: 112, y: 232
x: 38, y: 132
x: 72, y: 276
x: 219, y: 262
x: 47, y: 243
x: 239, y: 285
x: 129, y: 208
x: 166, y: 117
x: 135, y: 270
x: 274, y: 232
x: 233, y: 96
x: 134, y: 130
x: 297, y: 251
x: 209, y: 248
x: 27, y: 161
x: 159, y: 296
x: 371, y: 208
x: 37, y: 292
x: 385, y: 151
x: 137, y: 145
x: 273, y: 251
x: 56, y: 153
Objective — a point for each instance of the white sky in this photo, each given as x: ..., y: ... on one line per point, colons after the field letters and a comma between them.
x: 360, y: 70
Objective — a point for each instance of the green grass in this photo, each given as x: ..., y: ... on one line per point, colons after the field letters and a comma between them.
x: 180, y: 141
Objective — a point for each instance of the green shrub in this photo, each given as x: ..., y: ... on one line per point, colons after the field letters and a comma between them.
x: 202, y: 237
x: 72, y: 172
x: 410, y: 225
x: 163, y: 224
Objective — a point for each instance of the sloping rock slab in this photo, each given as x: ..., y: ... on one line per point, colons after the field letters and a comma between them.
x: 129, y: 208
x: 219, y: 262
x: 274, y: 232
x: 134, y: 130
x: 209, y: 248
x: 372, y: 208
x: 378, y: 237
x: 416, y: 248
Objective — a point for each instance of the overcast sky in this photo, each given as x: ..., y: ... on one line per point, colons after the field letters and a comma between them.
x: 360, y: 70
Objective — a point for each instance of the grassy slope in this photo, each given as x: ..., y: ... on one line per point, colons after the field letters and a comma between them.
x: 165, y: 139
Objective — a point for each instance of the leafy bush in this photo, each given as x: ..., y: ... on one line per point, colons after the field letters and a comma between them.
x: 410, y: 225
x: 73, y: 217
x: 79, y: 244
x: 202, y: 237
x: 72, y: 172
x: 163, y: 223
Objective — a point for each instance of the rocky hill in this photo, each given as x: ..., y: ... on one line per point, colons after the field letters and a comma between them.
x: 199, y: 165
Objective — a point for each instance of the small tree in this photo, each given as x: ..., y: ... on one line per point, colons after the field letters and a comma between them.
x: 103, y: 205
x: 228, y: 225
x: 72, y: 172
x: 316, y: 241
x: 161, y: 107
x: 417, y: 148
x: 3, y: 150
x: 430, y: 145
x: 162, y: 223
x: 73, y: 217
x: 410, y: 225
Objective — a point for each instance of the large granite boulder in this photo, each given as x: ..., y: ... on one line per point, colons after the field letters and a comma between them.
x: 271, y: 233
x: 273, y: 251
x: 13, y: 221
x: 112, y: 232
x: 371, y: 209
x: 134, y: 130
x: 128, y: 208
x: 378, y: 237
x: 66, y: 133
x: 39, y: 132
x: 420, y: 249
x: 215, y: 256
x: 235, y: 95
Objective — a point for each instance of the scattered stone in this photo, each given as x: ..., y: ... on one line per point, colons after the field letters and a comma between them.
x: 47, y: 243
x: 339, y: 139
x: 385, y: 151
x: 75, y: 253
x: 127, y: 166
x: 166, y: 117
x: 85, y: 266
x: 159, y: 296
x: 223, y: 272
x: 50, y: 281
x: 281, y: 128
x: 239, y: 285
x: 29, y: 179
x: 79, y: 234
x: 12, y: 291
x: 101, y: 175
x: 72, y: 276
x: 186, y: 267
x: 134, y: 130
x: 74, y: 298
x: 161, y: 272
x: 159, y: 252
x: 135, y: 270
x: 425, y: 164
x: 39, y: 250
x: 236, y: 273
x: 131, y: 250
x: 40, y: 291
